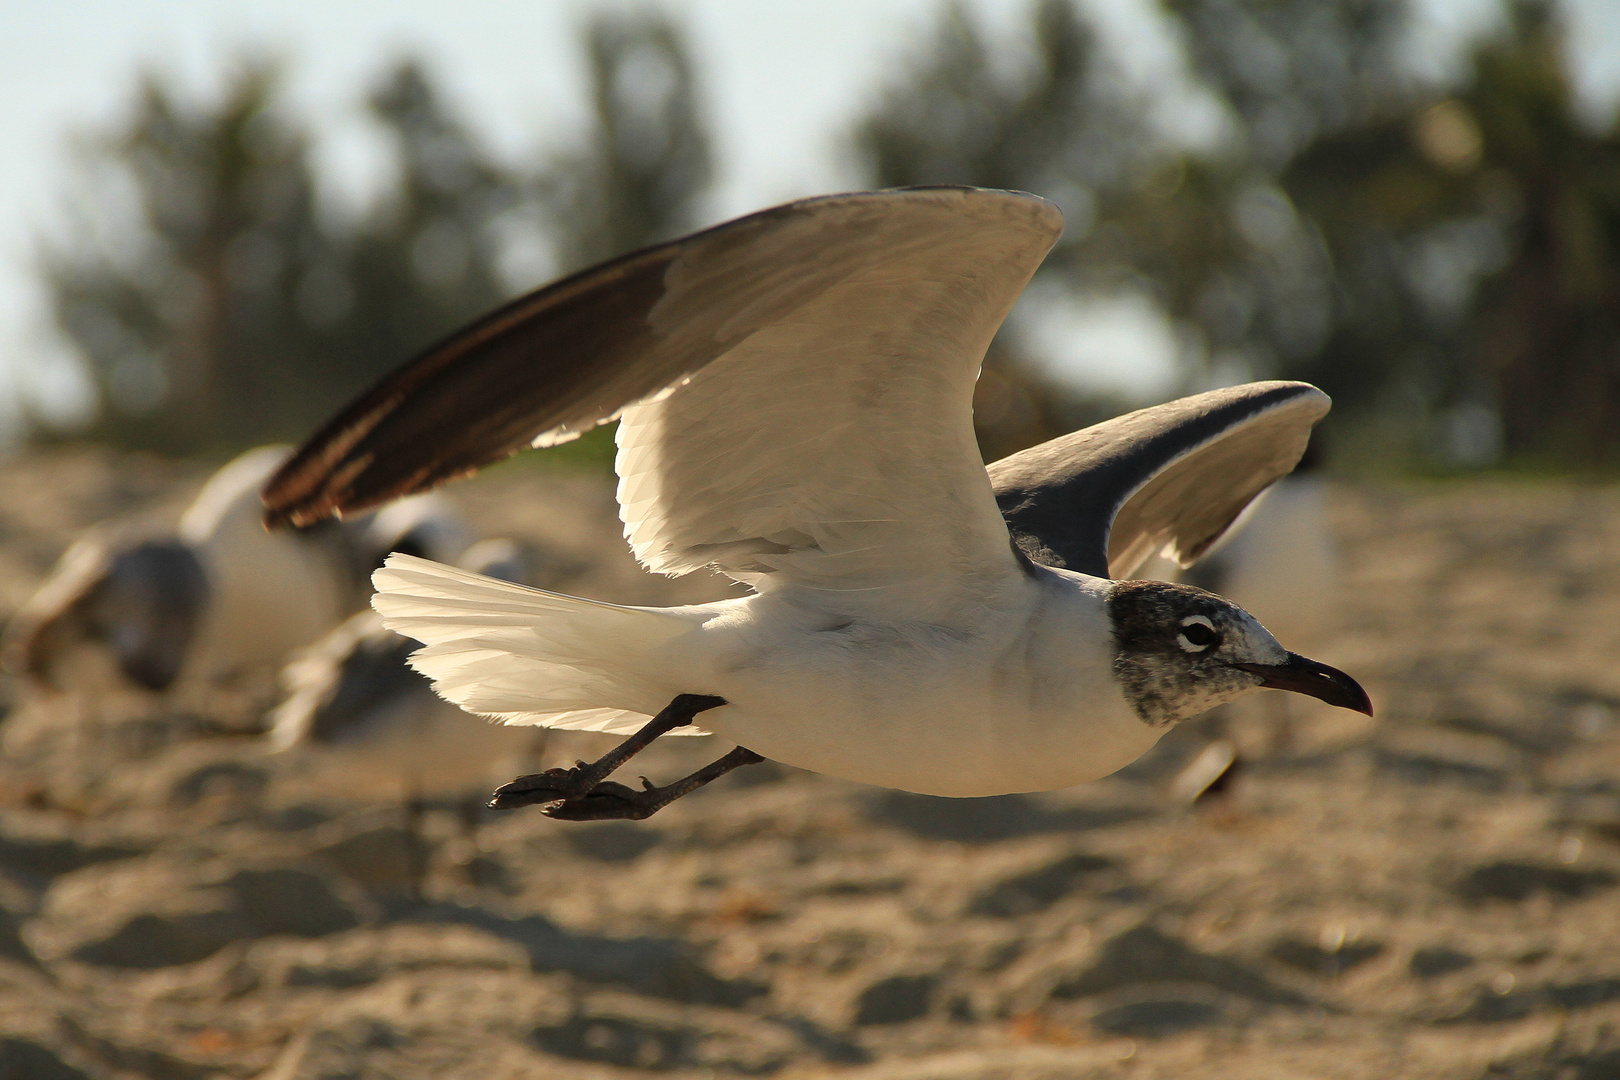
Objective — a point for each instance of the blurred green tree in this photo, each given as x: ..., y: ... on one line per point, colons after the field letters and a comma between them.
x: 424, y: 258
x: 1266, y: 287
x: 1442, y: 261
x: 1212, y: 237
x: 645, y: 163
x: 184, y: 308
x: 215, y: 307
x: 1293, y: 71
x: 1544, y: 188
x: 1061, y: 122
x: 1476, y: 238
x: 220, y: 310
x: 1060, y: 126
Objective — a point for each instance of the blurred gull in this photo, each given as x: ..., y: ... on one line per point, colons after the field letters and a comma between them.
x: 794, y: 391
x: 215, y: 597
x: 370, y: 727
x: 426, y: 526
x: 1279, y: 560
x: 379, y: 728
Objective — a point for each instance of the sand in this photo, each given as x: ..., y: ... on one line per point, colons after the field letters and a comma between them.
x: 1432, y: 894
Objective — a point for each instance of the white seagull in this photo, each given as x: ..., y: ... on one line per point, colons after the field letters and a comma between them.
x: 376, y: 726
x: 794, y: 394
x: 203, y: 600
x: 214, y: 597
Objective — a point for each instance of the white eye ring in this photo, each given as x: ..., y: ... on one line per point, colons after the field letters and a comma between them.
x: 1187, y: 645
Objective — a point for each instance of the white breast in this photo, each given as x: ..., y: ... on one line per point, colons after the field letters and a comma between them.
x: 1019, y: 696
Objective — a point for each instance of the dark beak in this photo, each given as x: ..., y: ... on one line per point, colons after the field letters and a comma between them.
x: 1319, y: 681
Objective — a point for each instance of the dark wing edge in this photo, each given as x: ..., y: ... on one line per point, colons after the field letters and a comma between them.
x: 1173, y: 477
x: 339, y: 470
x: 543, y: 369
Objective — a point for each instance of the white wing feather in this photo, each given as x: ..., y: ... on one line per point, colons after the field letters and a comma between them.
x: 829, y: 448
x: 526, y: 656
x: 834, y: 449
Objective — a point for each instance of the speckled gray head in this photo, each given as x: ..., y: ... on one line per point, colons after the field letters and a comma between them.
x: 1179, y: 651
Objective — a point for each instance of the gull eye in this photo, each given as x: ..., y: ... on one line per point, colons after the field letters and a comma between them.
x: 1197, y: 634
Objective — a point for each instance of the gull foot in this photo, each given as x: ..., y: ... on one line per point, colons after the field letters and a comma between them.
x: 567, y: 785
x: 610, y: 801
x: 557, y: 792
x: 551, y: 786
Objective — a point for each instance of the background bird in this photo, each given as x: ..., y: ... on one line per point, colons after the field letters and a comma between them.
x: 427, y: 526
x: 377, y: 725
x: 214, y: 599
x: 1280, y: 560
x: 369, y: 727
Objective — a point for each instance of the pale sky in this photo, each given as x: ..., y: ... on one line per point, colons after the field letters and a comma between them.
x: 783, y: 79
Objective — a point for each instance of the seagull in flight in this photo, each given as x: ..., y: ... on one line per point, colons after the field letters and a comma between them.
x: 794, y: 395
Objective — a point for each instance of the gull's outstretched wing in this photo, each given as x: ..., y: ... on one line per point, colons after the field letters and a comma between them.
x: 1173, y: 477
x: 561, y: 360
x: 795, y: 386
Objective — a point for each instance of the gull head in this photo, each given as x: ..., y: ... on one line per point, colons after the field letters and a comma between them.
x: 1179, y: 651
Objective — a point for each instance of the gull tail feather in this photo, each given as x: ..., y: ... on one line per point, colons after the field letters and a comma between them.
x: 526, y: 656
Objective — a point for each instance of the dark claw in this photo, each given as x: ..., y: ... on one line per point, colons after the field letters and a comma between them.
x: 556, y: 792
x: 584, y: 793
x: 553, y: 785
x: 607, y: 801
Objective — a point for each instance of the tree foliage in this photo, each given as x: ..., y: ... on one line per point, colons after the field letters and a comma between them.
x: 1442, y: 260
x: 425, y: 257
x: 1543, y: 331
x: 188, y: 317
x: 644, y: 164
x: 1058, y: 125
x: 1475, y: 237
x: 218, y: 307
x: 223, y: 310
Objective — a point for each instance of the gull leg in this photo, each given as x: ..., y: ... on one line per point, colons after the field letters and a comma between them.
x: 609, y: 800
x: 569, y: 785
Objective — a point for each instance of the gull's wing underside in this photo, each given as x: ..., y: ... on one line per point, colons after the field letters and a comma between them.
x: 835, y: 449
x: 796, y: 390
x: 1169, y: 478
